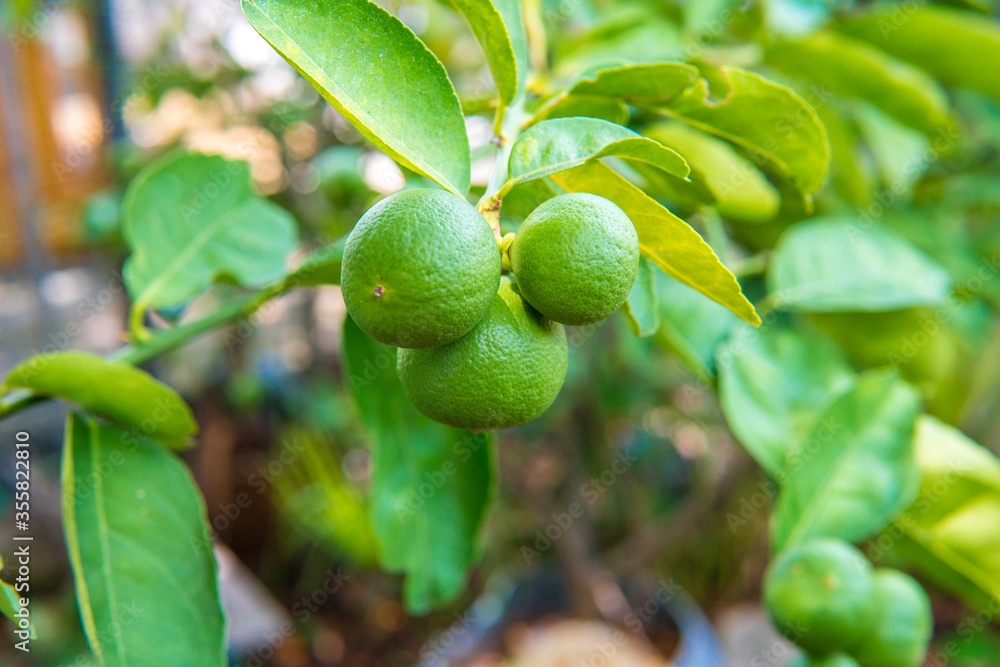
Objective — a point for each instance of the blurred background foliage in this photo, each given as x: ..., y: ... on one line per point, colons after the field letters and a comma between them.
x: 93, y: 90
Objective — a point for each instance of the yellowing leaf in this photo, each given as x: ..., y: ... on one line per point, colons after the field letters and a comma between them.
x: 663, y: 237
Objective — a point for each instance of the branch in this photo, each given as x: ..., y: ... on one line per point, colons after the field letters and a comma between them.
x: 159, y: 343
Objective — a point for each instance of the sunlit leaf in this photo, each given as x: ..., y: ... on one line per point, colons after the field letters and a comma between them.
x: 555, y: 145
x: 945, y: 533
x: 139, y: 545
x: 374, y: 70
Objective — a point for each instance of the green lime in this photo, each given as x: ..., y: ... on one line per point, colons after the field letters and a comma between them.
x: 903, y: 624
x: 819, y: 595
x: 503, y: 373
x: 420, y: 269
x: 836, y: 660
x: 575, y: 258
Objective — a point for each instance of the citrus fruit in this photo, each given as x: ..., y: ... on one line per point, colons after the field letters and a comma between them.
x: 420, y: 269
x: 902, y: 625
x: 575, y: 258
x: 503, y: 373
x: 819, y: 595
x: 836, y: 660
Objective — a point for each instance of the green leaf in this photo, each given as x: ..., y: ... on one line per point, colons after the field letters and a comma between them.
x: 11, y: 607
x: 943, y: 533
x: 139, y: 546
x: 720, y: 176
x: 855, y: 469
x: 373, y: 70
x: 691, y: 324
x: 590, y: 106
x: 833, y: 264
x: 663, y: 237
x: 115, y: 390
x: 498, y: 27
x: 647, y: 83
x: 958, y: 47
x: 431, y: 484
x: 191, y: 219
x: 773, y: 383
x: 642, y: 307
x: 562, y: 143
x: 769, y: 121
x: 853, y: 69
x: 899, y: 151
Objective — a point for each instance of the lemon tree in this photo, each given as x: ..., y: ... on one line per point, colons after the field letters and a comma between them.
x: 783, y: 206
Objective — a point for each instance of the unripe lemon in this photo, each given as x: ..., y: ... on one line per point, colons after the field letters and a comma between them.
x: 420, y: 269
x: 902, y: 626
x: 819, y: 595
x: 503, y: 373
x: 575, y: 258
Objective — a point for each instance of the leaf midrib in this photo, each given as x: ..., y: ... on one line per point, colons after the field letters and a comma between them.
x: 808, y: 514
x: 181, y: 259
x: 103, y: 532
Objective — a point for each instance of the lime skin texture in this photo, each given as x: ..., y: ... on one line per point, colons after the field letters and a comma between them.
x: 575, y: 258
x: 505, y: 372
x: 421, y: 268
x: 820, y: 595
x: 902, y: 626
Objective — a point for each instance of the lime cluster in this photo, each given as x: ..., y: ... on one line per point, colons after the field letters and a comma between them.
x: 422, y: 271
x: 826, y: 597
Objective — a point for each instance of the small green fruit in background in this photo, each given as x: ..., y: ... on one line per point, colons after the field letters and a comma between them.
x: 421, y: 268
x: 836, y: 660
x: 575, y: 258
x: 902, y: 626
x: 505, y: 372
x: 339, y: 175
x: 819, y: 595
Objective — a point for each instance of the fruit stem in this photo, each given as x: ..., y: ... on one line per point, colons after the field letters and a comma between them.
x: 507, y: 125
